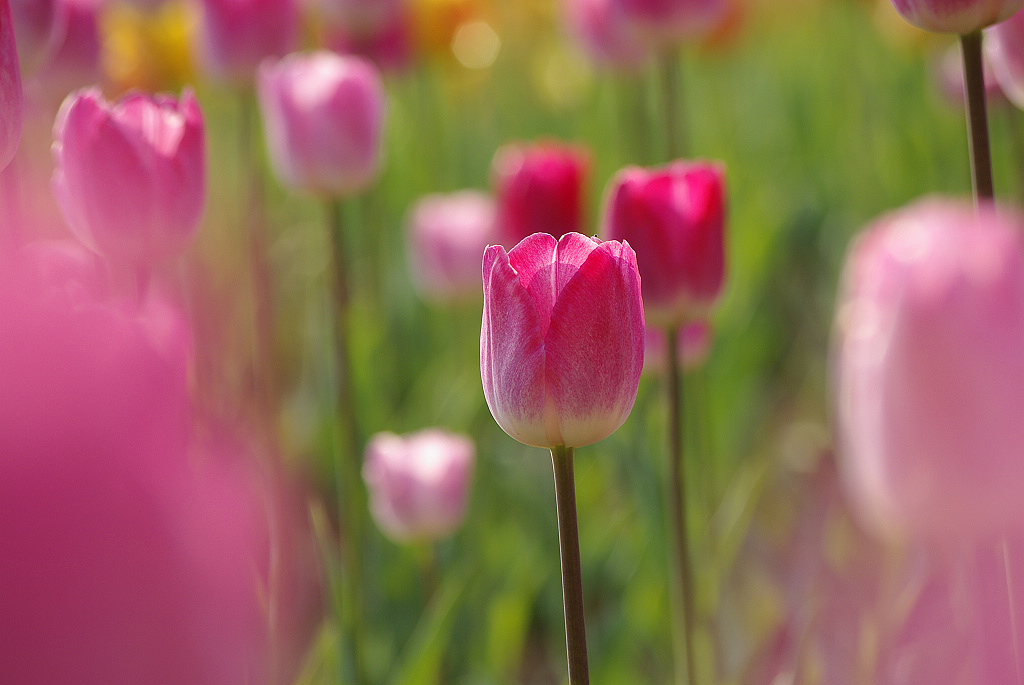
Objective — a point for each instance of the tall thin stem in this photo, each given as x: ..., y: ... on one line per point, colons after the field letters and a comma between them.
x: 351, y: 498
x: 977, y: 118
x: 683, y: 571
x: 572, y: 575
x: 672, y: 106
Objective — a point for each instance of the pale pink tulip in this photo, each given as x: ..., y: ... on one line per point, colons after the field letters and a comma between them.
x: 10, y: 88
x: 603, y: 36
x: 670, y: 21
x: 930, y: 375
x: 447, y: 234
x: 956, y: 16
x: 1004, y: 44
x: 562, y: 340
x: 323, y: 114
x: 131, y: 176
x: 674, y: 217
x: 418, y: 483
x: 237, y: 35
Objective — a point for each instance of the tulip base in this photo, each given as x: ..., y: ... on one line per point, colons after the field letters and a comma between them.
x: 977, y: 117
x: 572, y: 576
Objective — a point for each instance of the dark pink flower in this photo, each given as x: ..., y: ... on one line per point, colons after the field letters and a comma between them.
x: 236, y: 35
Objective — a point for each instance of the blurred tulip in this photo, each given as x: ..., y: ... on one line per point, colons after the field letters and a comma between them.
x: 693, y: 342
x: 670, y: 21
x: 389, y: 45
x: 363, y: 16
x: 602, y: 36
x: 447, y: 235
x: 674, y: 217
x: 131, y: 176
x: 1004, y: 45
x: 39, y: 26
x: 539, y: 189
x: 930, y: 379
x: 10, y: 88
x: 562, y: 340
x: 76, y: 58
x: 418, y: 483
x: 322, y: 115
x: 960, y: 16
x: 236, y: 35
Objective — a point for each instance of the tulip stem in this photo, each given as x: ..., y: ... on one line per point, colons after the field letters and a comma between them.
x: 347, y: 461
x: 675, y: 135
x: 572, y: 575
x: 977, y: 118
x: 683, y: 569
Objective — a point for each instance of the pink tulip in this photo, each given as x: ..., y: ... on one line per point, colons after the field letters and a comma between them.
x: 131, y: 176
x: 75, y: 61
x: 1004, y: 45
x: 601, y: 34
x: 418, y: 483
x: 323, y: 114
x: 930, y: 376
x: 39, y: 26
x: 237, y: 35
x: 539, y: 189
x: 10, y: 88
x: 956, y: 16
x: 674, y: 217
x: 670, y: 21
x: 447, y: 234
x: 562, y: 340
x: 363, y: 16
x: 388, y: 45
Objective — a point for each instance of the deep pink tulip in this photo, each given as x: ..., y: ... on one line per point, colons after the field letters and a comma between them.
x: 562, y: 340
x: 956, y: 16
x: 389, y: 45
x: 323, y: 114
x: 237, y: 35
x: 1004, y: 44
x: 131, y: 176
x: 39, y: 26
x: 418, y: 483
x: 10, y: 88
x: 930, y: 378
x: 447, y: 234
x: 539, y: 189
x: 670, y: 21
x: 603, y: 36
x: 674, y: 217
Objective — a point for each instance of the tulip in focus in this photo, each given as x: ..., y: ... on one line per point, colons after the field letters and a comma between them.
x: 1004, y: 44
x: 418, y: 483
x: 539, y: 189
x: 929, y: 374
x: 10, y: 88
x: 670, y: 21
x: 562, y: 340
x: 956, y: 16
x: 131, y: 176
x: 236, y: 35
x: 322, y: 114
x: 674, y: 217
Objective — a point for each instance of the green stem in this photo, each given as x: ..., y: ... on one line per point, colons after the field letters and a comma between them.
x: 572, y: 574
x: 675, y: 128
x: 683, y: 570
x: 977, y: 118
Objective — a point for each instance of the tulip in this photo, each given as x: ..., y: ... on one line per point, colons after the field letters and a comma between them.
x: 602, y: 36
x: 236, y: 35
x: 929, y: 374
x: 539, y: 189
x: 363, y: 16
x: 959, y: 16
x: 447, y: 234
x: 323, y: 115
x: 131, y: 176
x: 671, y: 21
x: 10, y: 88
x: 389, y: 45
x: 38, y: 25
x: 1005, y: 51
x: 75, y: 61
x: 418, y: 483
x: 562, y: 340
x: 674, y: 217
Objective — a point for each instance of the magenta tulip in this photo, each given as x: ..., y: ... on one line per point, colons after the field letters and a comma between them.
x: 10, y: 88
x: 237, y: 35
x: 670, y: 21
x: 674, y: 217
x: 323, y: 114
x: 1005, y: 51
x: 562, y: 340
x: 418, y: 483
x: 131, y: 176
x: 603, y: 36
x: 539, y: 189
x: 930, y: 377
x: 956, y: 16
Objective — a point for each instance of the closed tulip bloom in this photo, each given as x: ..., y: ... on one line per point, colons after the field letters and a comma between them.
x: 10, y: 88
x: 1004, y: 44
x: 418, y: 483
x: 237, y: 35
x: 929, y: 372
x: 322, y: 114
x: 956, y: 16
x: 562, y: 340
x: 674, y: 217
x: 669, y: 21
x: 131, y: 176
x: 539, y: 189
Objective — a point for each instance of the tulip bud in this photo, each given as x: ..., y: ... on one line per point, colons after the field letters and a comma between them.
x: 671, y: 21
x: 961, y: 16
x: 562, y: 339
x: 131, y: 176
x: 539, y: 189
x: 674, y: 217
x: 1004, y: 44
x: 10, y: 88
x: 322, y: 114
x: 418, y: 483
x: 236, y: 35
x: 929, y: 372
